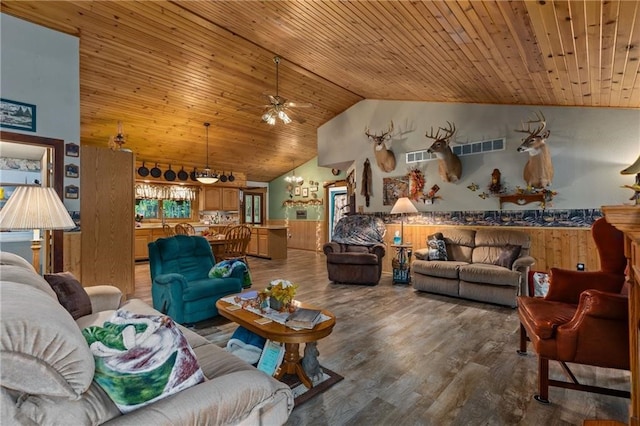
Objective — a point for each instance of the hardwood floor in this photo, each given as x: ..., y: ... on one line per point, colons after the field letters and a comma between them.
x: 412, y: 358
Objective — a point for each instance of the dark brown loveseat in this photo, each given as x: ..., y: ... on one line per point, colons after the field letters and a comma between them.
x: 354, y: 255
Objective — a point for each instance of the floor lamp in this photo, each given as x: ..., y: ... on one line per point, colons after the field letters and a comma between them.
x: 402, y: 206
x: 35, y: 208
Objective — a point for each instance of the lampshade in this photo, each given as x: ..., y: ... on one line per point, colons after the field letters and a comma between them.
x: 632, y: 169
x: 403, y: 205
x: 35, y: 207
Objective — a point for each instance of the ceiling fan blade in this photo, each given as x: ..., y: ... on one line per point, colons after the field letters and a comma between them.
x: 275, y: 100
x: 299, y: 104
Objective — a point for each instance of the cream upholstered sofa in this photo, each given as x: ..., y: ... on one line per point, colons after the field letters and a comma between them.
x: 47, y: 368
x: 488, y: 265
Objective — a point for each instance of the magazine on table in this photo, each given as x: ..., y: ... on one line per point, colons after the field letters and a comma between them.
x: 304, y: 318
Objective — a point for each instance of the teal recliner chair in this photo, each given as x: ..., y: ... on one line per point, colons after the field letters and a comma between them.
x: 180, y: 283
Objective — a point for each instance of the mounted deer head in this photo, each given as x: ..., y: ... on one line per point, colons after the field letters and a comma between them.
x: 385, y: 159
x: 449, y: 165
x: 538, y: 172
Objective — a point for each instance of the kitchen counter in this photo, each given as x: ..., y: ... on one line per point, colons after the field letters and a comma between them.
x: 194, y: 224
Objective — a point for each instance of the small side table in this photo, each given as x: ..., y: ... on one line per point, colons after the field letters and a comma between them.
x: 401, y: 263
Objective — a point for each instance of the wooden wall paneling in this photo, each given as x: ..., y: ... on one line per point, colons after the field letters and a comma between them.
x: 107, y: 210
x: 72, y: 253
x: 549, y: 246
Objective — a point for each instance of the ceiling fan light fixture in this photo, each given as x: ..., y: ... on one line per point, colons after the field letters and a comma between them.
x: 284, y: 117
x: 206, y: 176
x: 269, y: 117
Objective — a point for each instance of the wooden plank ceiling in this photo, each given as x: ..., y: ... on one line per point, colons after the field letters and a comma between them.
x: 166, y: 67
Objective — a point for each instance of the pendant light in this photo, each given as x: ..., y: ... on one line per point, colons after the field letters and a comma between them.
x: 206, y: 176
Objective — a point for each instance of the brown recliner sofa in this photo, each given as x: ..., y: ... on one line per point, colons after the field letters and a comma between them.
x: 354, y: 255
x: 583, y: 319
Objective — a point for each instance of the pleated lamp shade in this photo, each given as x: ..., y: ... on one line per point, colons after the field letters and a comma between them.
x: 34, y: 207
x: 403, y: 205
x: 632, y: 169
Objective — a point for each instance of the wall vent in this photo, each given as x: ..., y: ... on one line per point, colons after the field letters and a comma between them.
x: 469, y: 148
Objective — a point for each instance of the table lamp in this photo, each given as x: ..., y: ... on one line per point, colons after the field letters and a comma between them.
x: 36, y: 208
x: 631, y: 170
x: 402, y: 206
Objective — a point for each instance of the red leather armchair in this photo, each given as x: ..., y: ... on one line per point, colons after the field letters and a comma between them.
x: 583, y: 319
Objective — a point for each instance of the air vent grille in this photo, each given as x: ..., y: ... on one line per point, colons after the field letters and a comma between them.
x: 470, y: 148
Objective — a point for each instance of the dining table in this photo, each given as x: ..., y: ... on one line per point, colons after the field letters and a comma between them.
x: 217, y: 243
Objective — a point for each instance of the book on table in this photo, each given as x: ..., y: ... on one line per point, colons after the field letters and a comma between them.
x: 304, y: 318
x: 271, y: 357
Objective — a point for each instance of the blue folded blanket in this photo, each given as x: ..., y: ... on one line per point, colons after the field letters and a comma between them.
x: 225, y: 269
x: 246, y: 345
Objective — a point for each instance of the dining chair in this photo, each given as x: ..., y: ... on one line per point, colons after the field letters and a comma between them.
x: 236, y: 243
x: 168, y: 230
x: 185, y: 229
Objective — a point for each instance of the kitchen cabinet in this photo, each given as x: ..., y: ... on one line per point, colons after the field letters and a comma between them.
x: 220, y: 198
x: 268, y: 242
x: 213, y: 198
x: 140, y: 245
x: 142, y: 238
x: 230, y: 199
x: 253, y: 243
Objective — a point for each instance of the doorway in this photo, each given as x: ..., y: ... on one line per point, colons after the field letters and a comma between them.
x: 54, y: 258
x: 338, y: 207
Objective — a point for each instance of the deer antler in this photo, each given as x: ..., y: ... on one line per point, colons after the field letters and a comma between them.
x: 537, y: 130
x: 382, y: 136
x: 448, y: 132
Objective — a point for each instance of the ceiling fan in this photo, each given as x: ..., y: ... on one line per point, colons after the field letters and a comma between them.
x: 279, y: 107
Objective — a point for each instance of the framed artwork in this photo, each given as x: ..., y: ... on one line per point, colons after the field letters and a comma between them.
x: 72, y: 150
x: 314, y: 188
x: 305, y: 191
x: 394, y: 188
x: 17, y: 115
x: 296, y: 190
x: 71, y: 170
x: 71, y: 192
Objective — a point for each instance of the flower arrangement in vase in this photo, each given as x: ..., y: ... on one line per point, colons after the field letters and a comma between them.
x: 281, y: 293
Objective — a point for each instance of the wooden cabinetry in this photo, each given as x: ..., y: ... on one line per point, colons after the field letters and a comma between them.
x: 230, y: 199
x: 268, y: 242
x: 220, y: 198
x: 107, y: 205
x: 253, y: 243
x: 142, y: 238
x: 627, y: 219
x: 212, y: 198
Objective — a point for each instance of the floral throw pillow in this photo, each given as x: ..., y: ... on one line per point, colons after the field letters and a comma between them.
x: 437, y: 250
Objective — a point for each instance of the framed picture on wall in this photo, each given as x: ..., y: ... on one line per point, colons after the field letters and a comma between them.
x: 314, y: 188
x: 296, y: 190
x: 71, y: 192
x: 72, y: 150
x: 17, y: 115
x: 305, y: 192
x: 394, y: 188
x: 71, y: 171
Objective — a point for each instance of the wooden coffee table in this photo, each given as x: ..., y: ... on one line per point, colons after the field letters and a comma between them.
x: 281, y: 333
